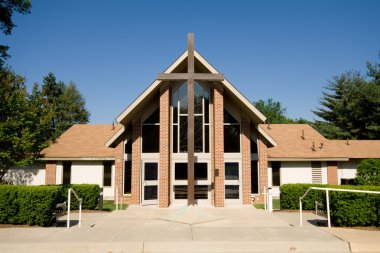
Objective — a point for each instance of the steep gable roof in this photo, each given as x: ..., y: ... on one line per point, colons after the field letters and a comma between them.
x: 200, y: 63
x: 83, y: 142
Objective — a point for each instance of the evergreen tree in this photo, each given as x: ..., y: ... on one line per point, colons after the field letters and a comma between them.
x: 351, y: 106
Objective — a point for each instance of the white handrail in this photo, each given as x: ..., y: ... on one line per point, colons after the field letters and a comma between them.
x: 69, y: 203
x: 328, y: 199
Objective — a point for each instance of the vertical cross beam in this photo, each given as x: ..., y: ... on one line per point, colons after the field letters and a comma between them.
x: 190, y: 121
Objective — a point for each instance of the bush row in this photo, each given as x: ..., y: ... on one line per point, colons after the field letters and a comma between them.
x: 34, y: 205
x: 346, y: 208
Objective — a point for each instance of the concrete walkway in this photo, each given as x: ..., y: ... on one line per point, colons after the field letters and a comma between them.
x: 176, y: 229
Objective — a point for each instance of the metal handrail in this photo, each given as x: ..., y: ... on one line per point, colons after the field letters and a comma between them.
x: 328, y: 199
x: 69, y: 202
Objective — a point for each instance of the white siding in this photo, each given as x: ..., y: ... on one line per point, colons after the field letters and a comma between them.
x: 91, y: 172
x: 295, y: 172
x: 59, y: 173
x: 347, y: 170
x: 32, y: 175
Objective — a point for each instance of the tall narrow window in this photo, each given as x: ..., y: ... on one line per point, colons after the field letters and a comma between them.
x: 253, y: 147
x: 128, y: 146
x: 201, y: 118
x: 276, y: 173
x: 231, y: 134
x: 127, y: 177
x: 151, y: 133
x: 107, y: 173
x: 66, y: 173
x: 254, y: 178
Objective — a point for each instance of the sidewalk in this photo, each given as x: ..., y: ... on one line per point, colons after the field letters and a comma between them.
x: 181, y: 229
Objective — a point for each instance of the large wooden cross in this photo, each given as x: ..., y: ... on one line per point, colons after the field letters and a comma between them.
x: 190, y: 76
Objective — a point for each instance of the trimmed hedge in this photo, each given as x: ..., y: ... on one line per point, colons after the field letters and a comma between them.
x: 34, y: 205
x: 88, y: 192
x: 346, y: 208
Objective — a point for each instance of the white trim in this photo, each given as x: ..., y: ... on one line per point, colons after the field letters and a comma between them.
x: 267, y: 136
x: 115, y: 136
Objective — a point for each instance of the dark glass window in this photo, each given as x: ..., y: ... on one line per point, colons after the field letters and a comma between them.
x: 153, y: 118
x: 347, y: 181
x: 128, y: 146
x: 232, y: 191
x: 150, y: 192
x: 66, y: 173
x: 183, y: 134
x: 127, y: 177
x: 107, y: 173
x: 254, y: 177
x: 276, y: 173
x: 231, y: 134
x: 253, y: 147
x: 201, y: 191
x: 180, y: 118
x: 150, y: 138
x: 180, y: 191
x: 180, y: 171
x: 198, y: 134
x: 151, y: 171
x: 231, y: 171
x: 200, y: 171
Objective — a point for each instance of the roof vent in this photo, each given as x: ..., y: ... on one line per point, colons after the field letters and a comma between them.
x: 269, y: 125
x: 313, y: 146
x: 303, y: 135
x: 113, y: 125
x: 347, y: 142
x: 321, y: 147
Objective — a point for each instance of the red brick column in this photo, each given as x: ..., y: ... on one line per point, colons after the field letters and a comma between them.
x: 119, y: 169
x: 50, y: 173
x: 332, y: 173
x: 246, y: 160
x: 263, y: 170
x: 218, y: 147
x: 164, y: 166
x: 212, y: 148
x: 136, y: 158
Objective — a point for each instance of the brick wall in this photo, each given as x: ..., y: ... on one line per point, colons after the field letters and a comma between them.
x: 51, y: 169
x: 246, y: 160
x: 212, y: 149
x: 218, y: 146
x: 136, y: 158
x: 164, y: 165
x: 332, y: 173
x: 263, y: 170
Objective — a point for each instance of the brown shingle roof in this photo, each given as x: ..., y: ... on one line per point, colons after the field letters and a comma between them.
x: 83, y: 141
x: 291, y: 145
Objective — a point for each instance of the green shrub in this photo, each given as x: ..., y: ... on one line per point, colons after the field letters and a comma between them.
x: 346, y: 208
x: 290, y: 193
x: 31, y: 205
x: 89, y: 193
x: 368, y: 172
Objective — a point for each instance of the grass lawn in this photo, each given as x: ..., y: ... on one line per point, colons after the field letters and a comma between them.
x: 109, y: 205
x: 276, y: 205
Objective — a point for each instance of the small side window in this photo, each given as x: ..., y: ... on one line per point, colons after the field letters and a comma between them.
x: 66, y: 173
x: 107, y: 174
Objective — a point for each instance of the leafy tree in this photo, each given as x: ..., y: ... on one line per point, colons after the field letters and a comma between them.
x: 368, y: 172
x: 66, y: 103
x: 23, y: 122
x: 7, y: 8
x: 276, y: 113
x: 350, y: 107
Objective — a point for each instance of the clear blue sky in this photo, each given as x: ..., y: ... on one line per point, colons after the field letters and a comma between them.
x: 112, y: 50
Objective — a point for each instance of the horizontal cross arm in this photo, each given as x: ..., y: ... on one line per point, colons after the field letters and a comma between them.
x: 186, y: 76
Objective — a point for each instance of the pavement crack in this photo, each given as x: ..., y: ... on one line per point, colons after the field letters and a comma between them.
x: 191, y: 229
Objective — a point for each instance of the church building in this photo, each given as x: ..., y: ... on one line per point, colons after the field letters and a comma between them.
x: 192, y: 138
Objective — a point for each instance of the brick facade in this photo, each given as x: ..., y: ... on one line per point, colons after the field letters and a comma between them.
x: 263, y: 170
x: 218, y: 146
x: 164, y: 165
x: 51, y: 171
x: 332, y: 173
x: 246, y: 159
